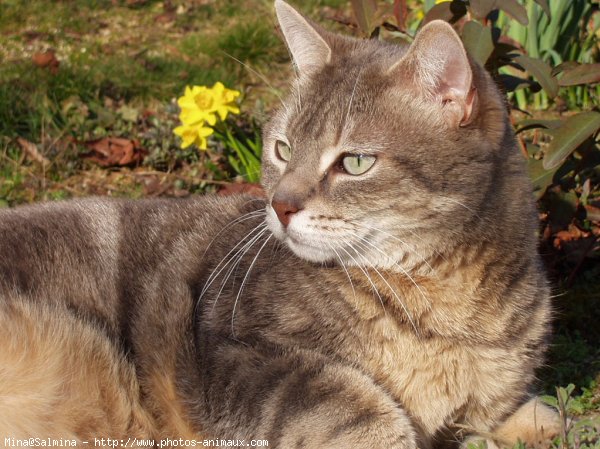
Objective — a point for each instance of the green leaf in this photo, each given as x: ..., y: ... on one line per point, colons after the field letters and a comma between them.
x: 541, y: 72
x: 481, y: 8
x: 478, y: 41
x: 128, y: 113
x: 549, y: 400
x: 364, y: 11
x: 574, y: 131
x: 532, y: 123
x: 540, y: 178
x: 545, y: 7
x: 581, y: 74
x: 514, y: 9
x: 448, y: 11
x: 512, y: 83
x: 564, y: 66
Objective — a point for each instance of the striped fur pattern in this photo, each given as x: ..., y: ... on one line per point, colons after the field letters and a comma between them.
x: 404, y: 307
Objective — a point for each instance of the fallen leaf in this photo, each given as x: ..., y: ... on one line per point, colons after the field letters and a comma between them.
x: 593, y: 212
x: 571, y: 234
x: 165, y: 18
x: 46, y: 60
x: 31, y: 152
x: 111, y: 151
x: 242, y: 187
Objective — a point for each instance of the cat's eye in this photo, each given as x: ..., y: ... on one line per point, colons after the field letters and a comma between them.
x: 357, y: 164
x: 283, y: 150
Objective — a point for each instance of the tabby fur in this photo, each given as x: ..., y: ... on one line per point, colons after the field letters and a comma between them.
x: 402, y: 308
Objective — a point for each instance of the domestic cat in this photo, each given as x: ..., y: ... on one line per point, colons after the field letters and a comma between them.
x: 386, y: 294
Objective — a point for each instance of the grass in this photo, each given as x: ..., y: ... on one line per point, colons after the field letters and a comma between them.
x: 121, y: 67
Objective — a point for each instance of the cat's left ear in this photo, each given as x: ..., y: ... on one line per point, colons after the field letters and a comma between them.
x: 309, y: 50
x: 438, y: 65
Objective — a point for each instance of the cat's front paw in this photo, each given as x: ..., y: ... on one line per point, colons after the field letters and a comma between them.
x: 359, y: 415
x: 534, y: 424
x: 339, y: 429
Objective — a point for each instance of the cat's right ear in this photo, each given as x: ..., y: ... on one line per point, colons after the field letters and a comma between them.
x: 309, y: 50
x: 438, y: 67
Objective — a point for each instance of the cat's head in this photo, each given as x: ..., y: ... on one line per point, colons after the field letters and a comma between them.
x: 378, y: 144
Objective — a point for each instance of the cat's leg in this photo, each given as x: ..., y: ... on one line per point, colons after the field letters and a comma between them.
x: 61, y: 377
x: 533, y: 423
x: 311, y: 404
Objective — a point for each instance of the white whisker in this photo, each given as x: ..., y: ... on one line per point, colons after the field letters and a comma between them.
x: 344, y: 268
x: 261, y: 76
x: 351, y: 100
x: 244, y: 282
x: 410, y: 247
x: 236, y: 259
x: 452, y: 200
x: 373, y: 286
x: 240, y: 219
x: 408, y: 315
x: 216, y: 271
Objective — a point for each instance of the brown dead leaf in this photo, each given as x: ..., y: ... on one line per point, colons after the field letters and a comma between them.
x: 165, y: 18
x: 111, y: 151
x: 46, y: 60
x: 31, y: 152
x: 243, y: 187
x: 593, y: 212
x: 573, y: 233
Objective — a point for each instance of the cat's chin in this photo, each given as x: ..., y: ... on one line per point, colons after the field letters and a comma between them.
x: 308, y: 252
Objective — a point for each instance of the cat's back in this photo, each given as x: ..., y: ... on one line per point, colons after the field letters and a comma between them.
x: 94, y: 253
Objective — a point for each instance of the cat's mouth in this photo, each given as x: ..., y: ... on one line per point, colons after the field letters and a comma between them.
x: 307, y: 245
x: 307, y: 249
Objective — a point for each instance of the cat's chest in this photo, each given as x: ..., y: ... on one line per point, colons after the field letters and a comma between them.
x: 433, y: 378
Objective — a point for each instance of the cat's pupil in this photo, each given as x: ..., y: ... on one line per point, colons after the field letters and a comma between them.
x: 357, y: 164
x: 283, y: 150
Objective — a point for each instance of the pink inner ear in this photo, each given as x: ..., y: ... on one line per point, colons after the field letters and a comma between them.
x: 470, y: 103
x: 444, y: 71
x: 455, y: 78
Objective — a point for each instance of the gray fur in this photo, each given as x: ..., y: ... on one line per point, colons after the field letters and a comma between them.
x: 434, y: 321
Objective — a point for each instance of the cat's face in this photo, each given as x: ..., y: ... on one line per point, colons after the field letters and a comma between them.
x: 377, y: 145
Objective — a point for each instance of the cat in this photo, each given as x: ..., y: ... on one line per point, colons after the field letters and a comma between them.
x: 386, y: 294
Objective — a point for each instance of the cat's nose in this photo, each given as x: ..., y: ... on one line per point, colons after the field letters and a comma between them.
x: 284, y: 211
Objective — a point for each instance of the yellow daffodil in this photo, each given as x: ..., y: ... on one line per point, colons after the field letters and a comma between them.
x: 200, y: 107
x: 223, y: 99
x: 193, y: 135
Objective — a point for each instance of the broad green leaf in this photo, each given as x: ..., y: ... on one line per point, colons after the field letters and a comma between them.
x: 481, y: 8
x: 532, y: 123
x: 540, y: 177
x: 564, y: 66
x: 561, y: 207
x: 582, y: 74
x: 448, y: 11
x: 574, y: 131
x: 478, y: 41
x: 541, y: 71
x: 514, y: 9
x: 512, y: 83
x: 363, y: 11
x: 549, y: 400
x: 545, y: 7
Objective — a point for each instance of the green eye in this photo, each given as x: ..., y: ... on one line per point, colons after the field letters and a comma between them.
x: 283, y: 150
x: 357, y: 164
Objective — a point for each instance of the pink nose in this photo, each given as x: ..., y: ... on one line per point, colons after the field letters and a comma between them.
x: 284, y: 211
